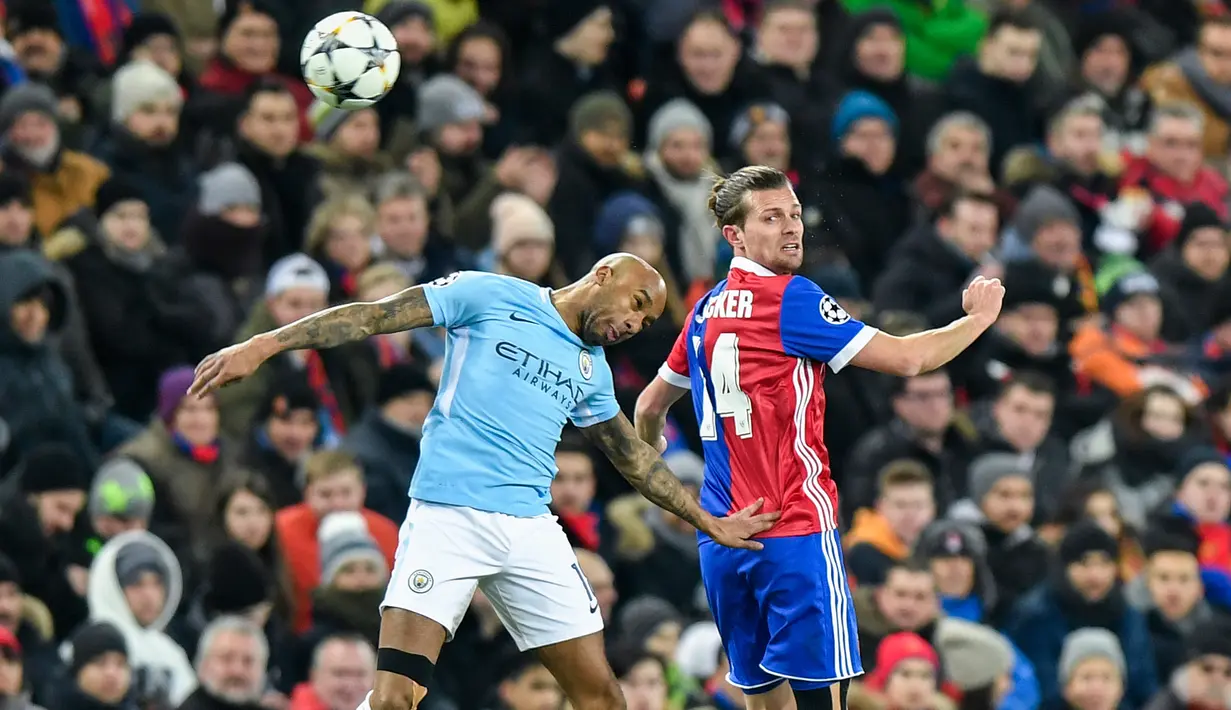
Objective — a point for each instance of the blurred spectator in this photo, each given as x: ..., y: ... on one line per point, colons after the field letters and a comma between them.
x: 524, y: 241
x: 994, y: 85
x: 594, y: 163
x: 1170, y: 595
x: 925, y: 427
x: 339, y: 237
x: 958, y: 154
x: 864, y: 212
x: 422, y: 348
x: 1056, y: 63
x: 1203, y: 501
x: 269, y: 147
x: 653, y: 625
x: 344, y: 378
x: 333, y: 482
x: 1204, y: 678
x: 1134, y: 451
x: 905, y: 505
x: 99, y: 675
x: 656, y: 552
x: 1200, y: 75
x: 905, y: 602
x: 1002, y: 495
x: 643, y: 679
x: 984, y: 667
x: 36, y: 32
x: 906, y: 674
x: 36, y: 515
x: 1110, y: 60
x: 37, y: 399
x: 230, y: 667
x: 786, y: 46
x: 600, y: 580
x: 404, y: 230
x: 468, y: 674
x: 933, y: 263
x: 1047, y: 229
x: 12, y: 695
x: 1085, y: 592
x: 1092, y: 670
x: 524, y: 683
x: 343, y: 670
x: 347, y: 143
x: 142, y: 146
x: 629, y: 222
x: 121, y: 499
x: 413, y: 26
x: 154, y: 37
x: 761, y: 135
x: 570, y: 62
x: 572, y: 495
x: 956, y: 553
x: 136, y: 585
x: 1169, y: 175
x: 183, y: 454
x: 285, y: 432
x: 936, y: 39
x: 354, y: 575
x: 28, y: 623
x: 1192, y: 273
x: 63, y: 180
x: 480, y: 56
x: 140, y: 317
x: 245, y: 509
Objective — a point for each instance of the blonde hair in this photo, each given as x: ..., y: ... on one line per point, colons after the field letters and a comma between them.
x: 323, y: 217
x: 381, y: 273
x: 323, y: 464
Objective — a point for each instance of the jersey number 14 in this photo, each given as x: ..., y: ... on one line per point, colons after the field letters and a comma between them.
x: 725, y: 399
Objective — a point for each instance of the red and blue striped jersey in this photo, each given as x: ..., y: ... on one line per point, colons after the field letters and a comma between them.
x: 754, y: 355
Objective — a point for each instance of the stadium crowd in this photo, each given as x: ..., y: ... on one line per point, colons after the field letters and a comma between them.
x: 1046, y: 523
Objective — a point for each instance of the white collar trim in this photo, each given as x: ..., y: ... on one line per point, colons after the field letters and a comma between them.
x: 743, y: 263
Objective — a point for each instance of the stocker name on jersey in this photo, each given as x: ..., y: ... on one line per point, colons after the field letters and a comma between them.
x: 728, y: 304
x: 551, y: 379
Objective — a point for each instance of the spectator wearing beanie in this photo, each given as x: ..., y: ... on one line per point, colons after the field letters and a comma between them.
x: 982, y: 666
x: 957, y: 555
x: 1084, y: 591
x: 1001, y: 503
x: 1203, y: 501
x: 906, y: 674
x: 347, y: 144
x: 679, y: 160
x: 121, y: 499
x: 344, y: 378
x: 183, y: 454
x: 12, y: 693
x: 29, y: 624
x: 1192, y: 273
x: 37, y: 400
x: 98, y: 670
x: 354, y: 575
x: 1092, y: 670
x: 142, y: 147
x: 1205, y: 678
x: 39, y: 37
x: 594, y: 162
x: 62, y: 181
x: 286, y: 431
x: 1046, y: 229
x: 136, y: 585
x: 386, y: 440
x: 229, y: 74
x: 153, y: 36
x: 863, y: 214
x: 1126, y: 108
x: 523, y: 241
x: 630, y: 222
x: 653, y: 625
x: 141, y: 315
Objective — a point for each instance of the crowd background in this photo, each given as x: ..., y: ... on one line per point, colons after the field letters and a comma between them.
x: 1043, y: 524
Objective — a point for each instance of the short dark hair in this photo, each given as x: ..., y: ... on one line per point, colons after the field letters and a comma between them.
x: 902, y: 472
x: 949, y: 208
x: 728, y: 197
x: 265, y: 85
x: 1170, y: 534
x: 1016, y: 19
x: 910, y: 565
x: 772, y: 6
x: 897, y: 386
x: 1031, y: 381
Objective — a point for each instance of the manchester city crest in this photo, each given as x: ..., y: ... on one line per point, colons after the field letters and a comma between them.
x: 421, y: 581
x: 586, y: 363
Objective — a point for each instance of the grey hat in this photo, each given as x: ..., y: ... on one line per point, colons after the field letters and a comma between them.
x: 228, y: 185
x: 26, y: 98
x: 1043, y: 205
x: 140, y: 83
x: 122, y: 489
x: 135, y: 558
x: 987, y: 470
x: 446, y: 99
x: 973, y: 655
x: 344, y: 537
x: 641, y: 617
x: 1084, y: 644
x: 674, y: 115
x: 687, y: 466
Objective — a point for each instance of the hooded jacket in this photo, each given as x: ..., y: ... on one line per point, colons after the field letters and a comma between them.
x: 161, y: 669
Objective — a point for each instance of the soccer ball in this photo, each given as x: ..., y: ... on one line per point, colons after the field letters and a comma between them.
x: 350, y: 60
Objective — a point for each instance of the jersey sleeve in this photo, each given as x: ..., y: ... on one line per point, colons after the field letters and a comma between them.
x: 600, y: 405
x: 458, y: 298
x: 675, y: 370
x: 814, y: 326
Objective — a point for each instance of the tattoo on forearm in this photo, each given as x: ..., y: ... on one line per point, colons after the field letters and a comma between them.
x: 644, y: 468
x: 356, y: 321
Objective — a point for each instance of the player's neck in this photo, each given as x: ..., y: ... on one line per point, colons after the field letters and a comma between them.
x: 568, y: 306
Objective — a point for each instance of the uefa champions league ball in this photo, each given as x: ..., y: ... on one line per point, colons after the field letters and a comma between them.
x: 350, y: 60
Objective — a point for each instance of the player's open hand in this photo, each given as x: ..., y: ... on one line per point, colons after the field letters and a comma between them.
x: 736, y: 529
x: 226, y: 366
x: 983, y: 298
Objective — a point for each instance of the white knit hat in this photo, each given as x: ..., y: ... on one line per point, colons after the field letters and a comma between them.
x: 344, y: 538
x: 517, y: 218
x: 138, y: 83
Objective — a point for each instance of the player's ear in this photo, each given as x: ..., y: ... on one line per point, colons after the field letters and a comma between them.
x: 733, y: 234
x: 602, y: 274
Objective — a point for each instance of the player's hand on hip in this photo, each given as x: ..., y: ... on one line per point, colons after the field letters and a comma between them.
x: 736, y: 529
x: 226, y: 366
x: 983, y: 298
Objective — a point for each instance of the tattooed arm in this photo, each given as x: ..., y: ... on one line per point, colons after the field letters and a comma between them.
x: 326, y: 329
x: 641, y: 466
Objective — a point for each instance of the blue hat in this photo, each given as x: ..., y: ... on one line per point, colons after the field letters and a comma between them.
x: 620, y: 215
x: 861, y: 104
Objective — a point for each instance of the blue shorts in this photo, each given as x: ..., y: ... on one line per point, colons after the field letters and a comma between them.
x: 784, y: 612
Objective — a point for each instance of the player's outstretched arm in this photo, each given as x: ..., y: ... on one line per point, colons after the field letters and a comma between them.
x: 641, y: 466
x: 326, y: 329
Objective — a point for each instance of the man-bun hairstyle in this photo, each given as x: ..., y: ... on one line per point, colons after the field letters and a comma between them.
x: 728, y: 200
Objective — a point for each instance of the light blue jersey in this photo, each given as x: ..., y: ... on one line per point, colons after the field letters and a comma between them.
x: 514, y: 375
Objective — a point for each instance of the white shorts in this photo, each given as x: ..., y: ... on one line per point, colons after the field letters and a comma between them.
x: 525, y: 566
